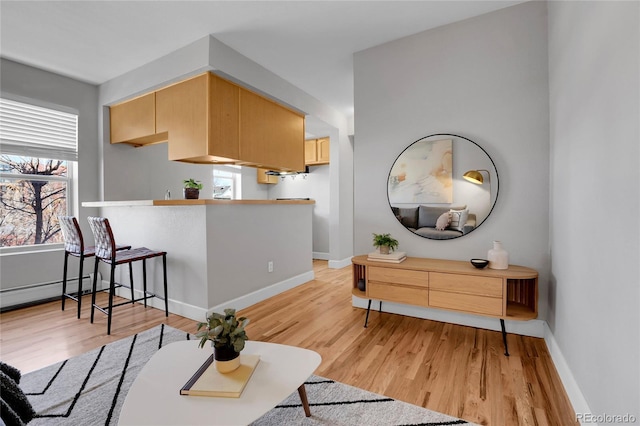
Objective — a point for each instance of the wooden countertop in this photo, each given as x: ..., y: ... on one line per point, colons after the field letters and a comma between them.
x: 198, y: 202
x: 450, y: 266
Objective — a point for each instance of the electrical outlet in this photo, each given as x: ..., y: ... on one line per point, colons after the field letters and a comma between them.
x: 270, y: 266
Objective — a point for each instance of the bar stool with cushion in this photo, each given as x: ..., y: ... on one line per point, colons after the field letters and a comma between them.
x: 107, y: 253
x: 74, y: 246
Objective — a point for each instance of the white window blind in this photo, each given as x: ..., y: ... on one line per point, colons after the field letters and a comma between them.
x: 35, y: 131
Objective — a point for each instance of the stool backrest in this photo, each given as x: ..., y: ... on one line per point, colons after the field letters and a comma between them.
x: 103, y: 236
x: 73, y: 242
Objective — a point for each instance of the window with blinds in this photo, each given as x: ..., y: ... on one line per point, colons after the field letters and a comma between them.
x: 38, y: 148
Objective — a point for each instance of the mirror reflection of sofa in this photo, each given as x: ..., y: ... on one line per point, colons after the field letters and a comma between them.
x: 424, y: 221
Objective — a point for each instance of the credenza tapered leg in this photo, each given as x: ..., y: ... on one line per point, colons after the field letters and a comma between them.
x: 504, y: 337
x: 366, y: 320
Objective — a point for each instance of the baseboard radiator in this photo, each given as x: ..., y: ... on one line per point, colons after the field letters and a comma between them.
x: 31, y: 294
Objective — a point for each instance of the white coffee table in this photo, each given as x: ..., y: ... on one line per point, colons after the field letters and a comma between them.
x: 154, y: 397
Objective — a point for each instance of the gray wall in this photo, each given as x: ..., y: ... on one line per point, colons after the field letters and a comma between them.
x: 316, y: 187
x: 145, y: 173
x: 595, y: 156
x: 486, y: 79
x: 18, y: 269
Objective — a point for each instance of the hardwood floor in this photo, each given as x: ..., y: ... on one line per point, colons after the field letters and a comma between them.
x: 453, y: 369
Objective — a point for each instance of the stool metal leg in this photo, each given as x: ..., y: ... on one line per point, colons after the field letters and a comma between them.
x: 80, y: 284
x: 93, y: 290
x: 144, y: 281
x: 164, y: 273
x: 112, y: 289
x: 64, y: 278
x: 133, y: 296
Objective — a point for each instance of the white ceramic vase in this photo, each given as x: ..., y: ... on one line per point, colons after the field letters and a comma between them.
x: 498, y: 257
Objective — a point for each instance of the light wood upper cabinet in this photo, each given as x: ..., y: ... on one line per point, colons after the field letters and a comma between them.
x: 263, y: 177
x: 271, y: 136
x: 134, y: 121
x: 316, y: 151
x: 310, y: 153
x: 323, y: 150
x: 208, y: 119
x: 200, y: 115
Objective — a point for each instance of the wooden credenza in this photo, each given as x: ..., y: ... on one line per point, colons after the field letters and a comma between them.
x: 450, y: 284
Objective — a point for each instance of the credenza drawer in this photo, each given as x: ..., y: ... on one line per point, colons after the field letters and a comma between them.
x: 469, y: 284
x: 465, y: 302
x: 398, y: 293
x: 399, y: 276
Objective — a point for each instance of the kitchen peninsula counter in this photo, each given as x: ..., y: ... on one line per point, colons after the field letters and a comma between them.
x: 220, y: 253
x: 184, y: 202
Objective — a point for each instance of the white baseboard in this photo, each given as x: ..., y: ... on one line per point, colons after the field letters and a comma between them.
x: 339, y: 264
x: 320, y: 255
x: 200, y: 314
x: 574, y: 393
x: 534, y: 328
x: 264, y: 293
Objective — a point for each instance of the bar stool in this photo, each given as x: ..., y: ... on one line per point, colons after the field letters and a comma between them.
x: 74, y: 246
x: 107, y: 253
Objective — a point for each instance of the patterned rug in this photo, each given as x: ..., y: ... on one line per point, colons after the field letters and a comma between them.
x: 90, y: 389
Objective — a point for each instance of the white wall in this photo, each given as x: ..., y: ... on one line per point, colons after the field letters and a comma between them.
x: 595, y: 148
x: 486, y: 79
x: 18, y: 270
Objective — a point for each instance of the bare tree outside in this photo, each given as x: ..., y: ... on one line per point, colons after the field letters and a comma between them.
x: 29, y: 202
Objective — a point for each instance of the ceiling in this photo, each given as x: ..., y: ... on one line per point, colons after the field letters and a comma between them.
x: 308, y: 43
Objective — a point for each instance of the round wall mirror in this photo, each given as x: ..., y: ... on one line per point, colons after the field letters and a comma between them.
x: 442, y: 186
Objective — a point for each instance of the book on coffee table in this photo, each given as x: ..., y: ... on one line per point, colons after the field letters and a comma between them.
x: 208, y: 381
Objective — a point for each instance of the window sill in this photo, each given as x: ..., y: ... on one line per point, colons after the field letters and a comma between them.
x: 32, y: 249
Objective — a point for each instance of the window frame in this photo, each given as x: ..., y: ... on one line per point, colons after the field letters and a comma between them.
x: 71, y: 179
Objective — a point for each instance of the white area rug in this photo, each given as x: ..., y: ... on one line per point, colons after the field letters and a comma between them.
x: 90, y: 389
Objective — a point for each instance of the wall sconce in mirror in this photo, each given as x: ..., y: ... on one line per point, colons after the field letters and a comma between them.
x: 475, y: 176
x: 426, y: 187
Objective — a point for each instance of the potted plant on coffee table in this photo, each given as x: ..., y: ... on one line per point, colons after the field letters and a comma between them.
x: 385, y: 242
x: 192, y: 189
x: 227, y: 336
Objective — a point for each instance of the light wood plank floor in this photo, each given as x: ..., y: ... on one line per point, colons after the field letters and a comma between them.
x: 453, y: 369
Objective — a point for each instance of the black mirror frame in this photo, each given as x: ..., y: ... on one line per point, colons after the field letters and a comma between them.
x: 497, y: 178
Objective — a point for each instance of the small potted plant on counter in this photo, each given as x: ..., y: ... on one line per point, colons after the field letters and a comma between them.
x: 385, y: 242
x: 192, y: 189
x: 227, y: 336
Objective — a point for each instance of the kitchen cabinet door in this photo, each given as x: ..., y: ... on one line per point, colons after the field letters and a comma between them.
x: 200, y: 116
x: 316, y: 151
x: 134, y: 121
x: 310, y: 151
x: 323, y: 151
x: 271, y: 136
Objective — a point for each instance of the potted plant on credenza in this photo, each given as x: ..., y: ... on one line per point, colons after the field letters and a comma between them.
x: 385, y: 242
